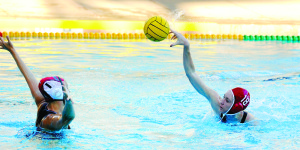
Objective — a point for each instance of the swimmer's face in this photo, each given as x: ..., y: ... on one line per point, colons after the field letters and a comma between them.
x: 226, y: 102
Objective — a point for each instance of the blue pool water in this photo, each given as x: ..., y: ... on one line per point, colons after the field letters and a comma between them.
x: 135, y: 95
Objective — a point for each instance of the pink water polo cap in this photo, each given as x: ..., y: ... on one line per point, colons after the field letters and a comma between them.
x: 51, y: 88
x: 241, y: 99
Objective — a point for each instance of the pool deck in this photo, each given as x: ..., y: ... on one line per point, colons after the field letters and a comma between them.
x: 19, y: 14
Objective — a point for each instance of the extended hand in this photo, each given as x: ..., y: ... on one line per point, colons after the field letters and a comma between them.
x: 6, y: 45
x: 181, y: 40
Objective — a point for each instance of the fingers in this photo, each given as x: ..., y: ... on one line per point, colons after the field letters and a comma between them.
x: 173, y: 37
x: 1, y: 39
x: 172, y: 31
x: 176, y: 43
x: 2, y: 43
x: 173, y: 44
x: 175, y: 32
x: 9, y: 42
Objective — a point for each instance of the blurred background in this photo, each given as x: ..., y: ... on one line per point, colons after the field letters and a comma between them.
x: 205, y: 16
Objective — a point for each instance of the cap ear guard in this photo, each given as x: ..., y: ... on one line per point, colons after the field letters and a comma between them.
x: 233, y: 101
x: 62, y: 87
x: 241, y: 99
x: 52, y: 89
x: 57, y: 78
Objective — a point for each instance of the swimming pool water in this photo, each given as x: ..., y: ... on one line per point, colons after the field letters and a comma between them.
x: 135, y: 95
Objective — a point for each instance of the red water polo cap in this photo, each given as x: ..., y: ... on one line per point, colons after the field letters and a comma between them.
x: 241, y: 99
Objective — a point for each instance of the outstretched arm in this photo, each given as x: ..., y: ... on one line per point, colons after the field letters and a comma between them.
x: 29, y: 77
x: 211, y: 95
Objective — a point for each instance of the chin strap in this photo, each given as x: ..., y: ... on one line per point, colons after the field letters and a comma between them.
x: 244, y: 117
x: 223, y: 118
x: 63, y: 89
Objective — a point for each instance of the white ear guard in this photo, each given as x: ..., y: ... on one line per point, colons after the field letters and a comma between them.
x: 54, y: 90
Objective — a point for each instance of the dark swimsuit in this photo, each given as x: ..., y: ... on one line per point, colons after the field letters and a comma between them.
x: 242, y: 121
x: 43, y: 112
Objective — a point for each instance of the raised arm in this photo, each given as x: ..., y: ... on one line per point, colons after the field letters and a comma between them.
x: 29, y: 77
x: 211, y: 95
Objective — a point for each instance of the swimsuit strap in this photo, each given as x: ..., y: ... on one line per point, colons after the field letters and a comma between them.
x: 244, y: 117
x: 42, y: 113
x: 58, y: 78
x: 223, y: 119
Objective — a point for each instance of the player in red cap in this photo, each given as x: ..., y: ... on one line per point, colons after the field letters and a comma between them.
x: 235, y: 101
x: 55, y: 108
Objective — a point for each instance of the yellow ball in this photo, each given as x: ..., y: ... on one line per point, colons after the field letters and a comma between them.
x: 156, y: 28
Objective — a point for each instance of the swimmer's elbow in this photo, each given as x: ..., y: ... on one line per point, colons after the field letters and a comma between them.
x: 191, y: 74
x: 72, y: 117
x: 69, y: 117
x: 67, y: 121
x: 188, y: 74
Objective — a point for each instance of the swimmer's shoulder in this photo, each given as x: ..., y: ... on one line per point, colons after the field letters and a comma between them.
x: 251, y: 119
x: 41, y: 104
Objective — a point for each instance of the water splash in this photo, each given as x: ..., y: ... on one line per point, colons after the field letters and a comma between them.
x: 176, y: 15
x: 31, y: 132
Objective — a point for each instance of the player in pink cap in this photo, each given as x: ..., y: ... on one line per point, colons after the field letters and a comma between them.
x: 51, y: 95
x: 234, y: 102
